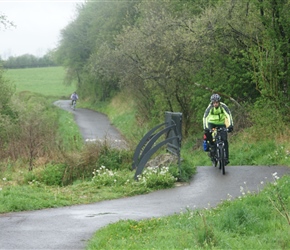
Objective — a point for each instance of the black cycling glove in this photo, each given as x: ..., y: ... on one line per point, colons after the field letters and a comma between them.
x: 230, y: 128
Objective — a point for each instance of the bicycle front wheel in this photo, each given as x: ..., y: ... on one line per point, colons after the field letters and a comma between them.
x: 222, y: 159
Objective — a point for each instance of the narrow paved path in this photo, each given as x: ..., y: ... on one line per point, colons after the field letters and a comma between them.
x: 94, y: 126
x: 70, y: 227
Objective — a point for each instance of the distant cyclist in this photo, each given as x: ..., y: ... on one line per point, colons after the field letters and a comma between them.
x: 215, y: 116
x: 74, y: 97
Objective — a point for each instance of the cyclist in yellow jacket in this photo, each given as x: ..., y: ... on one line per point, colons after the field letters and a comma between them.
x: 215, y: 116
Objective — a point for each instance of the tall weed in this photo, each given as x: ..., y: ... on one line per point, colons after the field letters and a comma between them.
x: 93, y: 155
x: 51, y: 175
x: 267, y: 121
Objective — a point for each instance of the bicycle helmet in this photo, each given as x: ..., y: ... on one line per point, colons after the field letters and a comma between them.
x: 215, y: 98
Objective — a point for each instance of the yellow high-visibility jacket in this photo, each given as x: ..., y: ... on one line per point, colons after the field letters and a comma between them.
x: 217, y: 116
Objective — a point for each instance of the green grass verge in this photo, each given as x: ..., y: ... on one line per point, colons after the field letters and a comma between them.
x: 253, y: 221
x: 35, y: 193
x: 68, y: 131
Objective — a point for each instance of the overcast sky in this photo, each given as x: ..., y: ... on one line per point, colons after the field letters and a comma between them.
x: 38, y: 25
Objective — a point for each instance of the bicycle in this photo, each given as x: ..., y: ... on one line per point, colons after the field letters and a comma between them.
x: 74, y: 102
x: 217, y: 149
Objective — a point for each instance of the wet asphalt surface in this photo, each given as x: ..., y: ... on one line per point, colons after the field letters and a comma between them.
x: 94, y: 126
x: 71, y: 227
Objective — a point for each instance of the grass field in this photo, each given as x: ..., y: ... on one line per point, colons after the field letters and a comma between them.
x: 48, y: 81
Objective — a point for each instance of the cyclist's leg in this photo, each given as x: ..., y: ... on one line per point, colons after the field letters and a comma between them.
x: 225, y: 139
x: 209, y: 134
x: 210, y: 140
x: 227, y: 148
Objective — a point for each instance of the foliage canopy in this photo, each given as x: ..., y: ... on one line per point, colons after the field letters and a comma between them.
x: 171, y: 56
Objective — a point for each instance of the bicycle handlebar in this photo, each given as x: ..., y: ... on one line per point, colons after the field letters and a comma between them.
x: 220, y: 129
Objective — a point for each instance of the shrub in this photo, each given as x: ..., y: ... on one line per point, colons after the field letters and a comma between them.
x: 114, y: 159
x: 105, y: 177
x: 83, y: 165
x: 266, y: 118
x: 151, y: 178
x: 154, y: 177
x: 52, y: 175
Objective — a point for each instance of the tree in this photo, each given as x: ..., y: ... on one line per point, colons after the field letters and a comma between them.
x: 172, y: 55
x: 5, y: 23
x: 96, y: 24
x: 162, y: 57
x: 271, y: 55
x: 7, y: 114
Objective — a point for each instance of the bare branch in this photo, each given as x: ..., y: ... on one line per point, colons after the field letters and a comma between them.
x: 221, y: 94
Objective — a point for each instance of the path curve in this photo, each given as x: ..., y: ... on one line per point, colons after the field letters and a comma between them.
x: 70, y: 227
x: 94, y: 126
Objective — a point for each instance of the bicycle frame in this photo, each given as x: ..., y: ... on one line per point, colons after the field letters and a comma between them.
x: 219, y: 150
x: 74, y: 102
